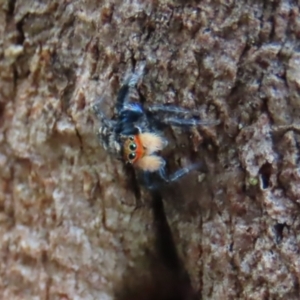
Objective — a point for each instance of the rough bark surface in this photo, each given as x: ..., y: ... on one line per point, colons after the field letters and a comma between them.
x: 70, y: 226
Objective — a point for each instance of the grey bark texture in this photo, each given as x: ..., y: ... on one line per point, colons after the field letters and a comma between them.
x: 72, y: 227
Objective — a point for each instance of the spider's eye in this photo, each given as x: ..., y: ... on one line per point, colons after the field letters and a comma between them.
x: 132, y: 146
x: 131, y: 156
x: 131, y: 138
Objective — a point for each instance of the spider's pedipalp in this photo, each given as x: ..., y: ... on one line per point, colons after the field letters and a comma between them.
x: 152, y: 142
x: 150, y: 163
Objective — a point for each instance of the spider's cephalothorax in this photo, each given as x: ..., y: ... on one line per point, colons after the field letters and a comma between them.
x: 133, y: 134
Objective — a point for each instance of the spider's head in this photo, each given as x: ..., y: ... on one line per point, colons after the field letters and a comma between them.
x: 139, y: 151
x: 133, y: 149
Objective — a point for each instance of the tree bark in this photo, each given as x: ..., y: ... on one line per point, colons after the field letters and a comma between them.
x: 74, y: 224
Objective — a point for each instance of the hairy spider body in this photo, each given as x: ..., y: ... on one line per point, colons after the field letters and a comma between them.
x: 133, y: 135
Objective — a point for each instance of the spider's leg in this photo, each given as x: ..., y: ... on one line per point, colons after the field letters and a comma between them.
x: 188, y: 122
x: 131, y: 112
x: 135, y: 77
x: 122, y: 96
x: 106, y: 134
x: 178, y: 121
x: 179, y: 173
x: 171, y: 109
x: 167, y: 179
x: 109, y: 139
x: 127, y: 129
x: 151, y: 182
x: 101, y: 116
x: 151, y: 179
x: 147, y: 182
x: 130, y: 82
x: 128, y: 116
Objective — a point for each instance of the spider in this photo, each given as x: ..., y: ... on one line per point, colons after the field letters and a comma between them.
x: 134, y: 134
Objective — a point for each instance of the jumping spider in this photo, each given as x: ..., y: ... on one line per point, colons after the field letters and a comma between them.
x: 134, y: 135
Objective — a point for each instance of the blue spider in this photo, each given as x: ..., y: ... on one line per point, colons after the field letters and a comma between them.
x: 134, y: 134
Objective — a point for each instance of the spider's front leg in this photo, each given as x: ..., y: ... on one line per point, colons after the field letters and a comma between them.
x: 168, y: 179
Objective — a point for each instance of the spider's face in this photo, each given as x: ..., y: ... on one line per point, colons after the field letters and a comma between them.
x: 139, y: 150
x: 133, y: 149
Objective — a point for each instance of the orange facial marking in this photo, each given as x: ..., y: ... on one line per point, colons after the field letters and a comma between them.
x: 133, y: 149
x: 140, y: 149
